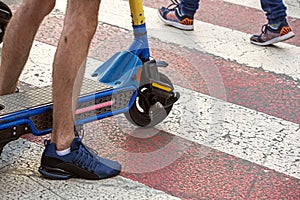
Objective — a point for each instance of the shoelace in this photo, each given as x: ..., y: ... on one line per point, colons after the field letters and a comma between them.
x: 264, y: 29
x: 79, y: 132
x: 86, y: 158
x: 89, y: 152
x: 173, y: 5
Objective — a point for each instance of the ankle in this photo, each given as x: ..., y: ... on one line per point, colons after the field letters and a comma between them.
x: 63, y: 143
x: 276, y: 24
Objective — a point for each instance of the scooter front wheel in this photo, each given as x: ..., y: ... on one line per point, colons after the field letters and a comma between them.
x: 149, y: 109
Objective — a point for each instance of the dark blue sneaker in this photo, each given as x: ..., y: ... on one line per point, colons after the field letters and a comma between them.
x: 80, y: 163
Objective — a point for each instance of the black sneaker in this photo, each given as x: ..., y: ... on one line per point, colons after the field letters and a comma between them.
x: 172, y: 16
x: 80, y: 163
x: 270, y: 35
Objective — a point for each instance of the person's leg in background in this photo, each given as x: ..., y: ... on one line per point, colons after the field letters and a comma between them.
x: 179, y: 15
x: 277, y: 29
x: 189, y: 7
x: 275, y: 11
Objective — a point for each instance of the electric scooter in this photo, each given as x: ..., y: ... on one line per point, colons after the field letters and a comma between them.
x: 129, y: 82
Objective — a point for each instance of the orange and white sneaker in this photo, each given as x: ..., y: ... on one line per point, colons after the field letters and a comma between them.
x: 174, y: 17
x: 270, y: 35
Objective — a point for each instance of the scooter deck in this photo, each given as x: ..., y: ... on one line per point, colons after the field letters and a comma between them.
x: 31, y: 111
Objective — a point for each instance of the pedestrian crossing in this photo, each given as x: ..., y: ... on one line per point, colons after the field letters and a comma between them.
x: 208, y: 126
x: 230, y: 45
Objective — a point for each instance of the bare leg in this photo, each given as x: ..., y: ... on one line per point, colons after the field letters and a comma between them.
x: 18, y: 40
x: 79, y: 28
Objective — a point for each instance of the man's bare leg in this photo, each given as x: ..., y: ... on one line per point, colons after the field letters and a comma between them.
x: 79, y: 28
x: 18, y: 39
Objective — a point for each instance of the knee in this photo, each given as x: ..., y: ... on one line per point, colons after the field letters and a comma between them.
x: 38, y: 9
x: 48, y: 6
x: 44, y: 7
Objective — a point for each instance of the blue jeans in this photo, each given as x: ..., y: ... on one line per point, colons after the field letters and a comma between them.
x: 275, y: 10
x: 189, y: 7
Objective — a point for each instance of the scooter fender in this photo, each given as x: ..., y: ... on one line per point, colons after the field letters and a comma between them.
x: 121, y: 70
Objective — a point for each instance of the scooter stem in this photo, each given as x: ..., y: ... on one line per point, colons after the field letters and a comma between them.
x: 139, y: 45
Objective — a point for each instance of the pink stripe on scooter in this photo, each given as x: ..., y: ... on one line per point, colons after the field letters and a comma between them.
x: 94, y: 107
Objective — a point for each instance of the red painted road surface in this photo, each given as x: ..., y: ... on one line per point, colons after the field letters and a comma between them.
x: 216, y: 175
